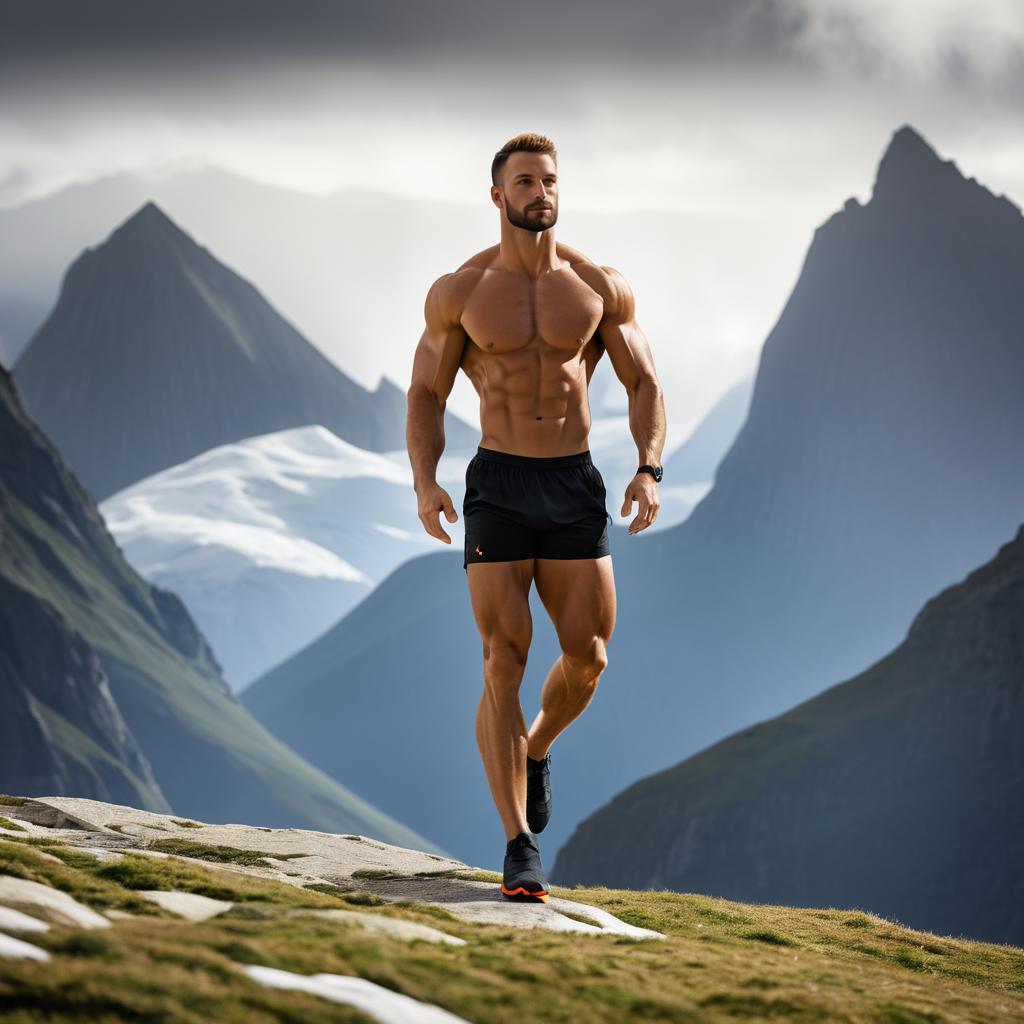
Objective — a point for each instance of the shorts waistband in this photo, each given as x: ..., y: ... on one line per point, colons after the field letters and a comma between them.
x: 534, y: 461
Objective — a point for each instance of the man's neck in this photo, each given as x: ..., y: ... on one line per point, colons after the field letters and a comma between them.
x: 530, y: 253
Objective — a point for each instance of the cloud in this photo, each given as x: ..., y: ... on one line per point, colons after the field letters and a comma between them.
x: 472, y: 29
x: 721, y: 102
x: 69, y: 40
x: 915, y: 40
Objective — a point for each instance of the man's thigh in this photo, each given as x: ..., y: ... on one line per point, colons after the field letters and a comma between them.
x: 579, y: 595
x: 500, y: 595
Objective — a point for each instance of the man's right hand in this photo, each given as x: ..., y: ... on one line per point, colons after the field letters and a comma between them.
x: 433, y: 499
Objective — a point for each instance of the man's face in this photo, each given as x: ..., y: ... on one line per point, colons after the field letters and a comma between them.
x: 530, y: 191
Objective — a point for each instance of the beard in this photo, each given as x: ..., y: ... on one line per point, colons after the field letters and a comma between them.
x: 530, y: 221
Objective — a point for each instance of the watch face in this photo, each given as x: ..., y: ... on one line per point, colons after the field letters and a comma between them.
x: 658, y: 471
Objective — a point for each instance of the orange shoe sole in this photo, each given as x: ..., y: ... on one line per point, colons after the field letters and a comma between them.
x: 520, y: 893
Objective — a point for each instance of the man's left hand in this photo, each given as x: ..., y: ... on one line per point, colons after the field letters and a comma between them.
x: 643, y: 489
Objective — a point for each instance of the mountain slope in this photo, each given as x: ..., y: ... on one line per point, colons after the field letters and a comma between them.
x: 879, y: 462
x: 898, y: 791
x: 108, y: 675
x: 156, y: 351
x: 61, y: 730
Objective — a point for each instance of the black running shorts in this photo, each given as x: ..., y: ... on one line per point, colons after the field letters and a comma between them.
x: 521, y: 506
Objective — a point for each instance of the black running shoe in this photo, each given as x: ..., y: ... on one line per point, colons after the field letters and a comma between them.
x: 538, y: 792
x: 523, y: 877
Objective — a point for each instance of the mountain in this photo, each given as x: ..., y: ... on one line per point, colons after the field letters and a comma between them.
x: 270, y: 540
x: 108, y: 687
x: 897, y: 791
x: 61, y: 730
x: 155, y: 351
x: 879, y: 462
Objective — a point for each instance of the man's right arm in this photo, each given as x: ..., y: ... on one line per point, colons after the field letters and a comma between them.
x: 435, y: 364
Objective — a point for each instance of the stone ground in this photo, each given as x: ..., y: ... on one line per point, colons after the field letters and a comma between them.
x: 351, y: 861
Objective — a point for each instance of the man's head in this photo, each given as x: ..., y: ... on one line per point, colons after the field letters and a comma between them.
x: 524, y: 181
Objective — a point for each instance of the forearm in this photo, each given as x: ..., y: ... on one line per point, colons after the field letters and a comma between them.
x: 424, y: 435
x: 647, y: 420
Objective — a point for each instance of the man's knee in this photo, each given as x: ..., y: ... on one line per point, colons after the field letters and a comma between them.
x: 505, y: 654
x: 587, y: 661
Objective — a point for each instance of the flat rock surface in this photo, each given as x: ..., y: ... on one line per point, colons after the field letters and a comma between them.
x: 186, y: 904
x: 390, y: 925
x: 356, y: 862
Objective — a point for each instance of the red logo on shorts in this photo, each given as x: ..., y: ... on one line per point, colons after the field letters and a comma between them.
x: 478, y: 551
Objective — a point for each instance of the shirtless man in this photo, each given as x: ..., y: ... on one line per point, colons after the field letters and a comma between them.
x: 527, y: 321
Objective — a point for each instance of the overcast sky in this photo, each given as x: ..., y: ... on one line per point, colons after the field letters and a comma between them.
x: 707, y: 104
x: 770, y: 109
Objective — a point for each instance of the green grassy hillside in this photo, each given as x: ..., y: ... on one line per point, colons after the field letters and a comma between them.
x: 721, y: 961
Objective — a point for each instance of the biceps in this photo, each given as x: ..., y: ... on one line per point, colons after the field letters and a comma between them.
x: 628, y: 350
x: 437, y: 360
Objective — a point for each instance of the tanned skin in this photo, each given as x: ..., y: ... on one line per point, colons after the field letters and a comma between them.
x: 527, y: 321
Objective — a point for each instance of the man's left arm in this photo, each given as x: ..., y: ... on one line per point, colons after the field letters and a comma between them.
x: 631, y: 358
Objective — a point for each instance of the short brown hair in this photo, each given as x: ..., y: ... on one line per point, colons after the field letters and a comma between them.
x: 527, y: 142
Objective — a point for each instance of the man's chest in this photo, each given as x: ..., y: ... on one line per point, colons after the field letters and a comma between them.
x: 505, y: 313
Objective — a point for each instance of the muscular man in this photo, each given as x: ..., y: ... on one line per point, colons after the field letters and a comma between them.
x: 527, y: 321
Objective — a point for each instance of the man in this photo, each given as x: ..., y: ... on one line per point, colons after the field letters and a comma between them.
x: 527, y: 321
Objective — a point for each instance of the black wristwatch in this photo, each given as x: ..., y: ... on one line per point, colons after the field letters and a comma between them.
x: 655, y: 471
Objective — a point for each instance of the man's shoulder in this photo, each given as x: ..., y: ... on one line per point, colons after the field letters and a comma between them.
x: 451, y: 291
x: 479, y: 261
x: 577, y: 259
x: 606, y: 281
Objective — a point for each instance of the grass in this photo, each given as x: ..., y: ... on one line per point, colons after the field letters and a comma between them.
x: 721, y: 961
x: 220, y: 854
x: 12, y: 825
